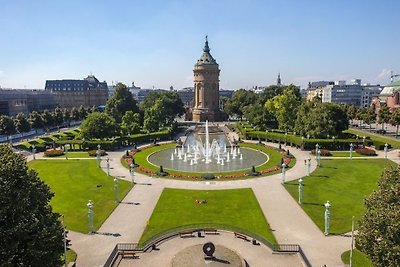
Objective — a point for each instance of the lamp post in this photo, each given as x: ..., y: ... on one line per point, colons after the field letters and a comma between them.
x: 351, y: 150
x: 364, y: 141
x: 386, y: 148
x: 116, y: 190
x: 302, y: 143
x: 33, y: 152
x: 316, y: 151
x: 132, y: 172
x: 98, y: 152
x: 300, y: 191
x: 66, y: 152
x: 319, y: 158
x: 308, y: 136
x: 327, y: 217
x: 308, y: 166
x: 108, y: 166
x: 90, y: 216
x: 65, y: 241
x: 333, y: 142
x: 283, y: 173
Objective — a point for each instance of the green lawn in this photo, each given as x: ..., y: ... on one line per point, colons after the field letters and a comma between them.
x: 74, y: 155
x: 74, y: 182
x: 274, y: 159
x: 346, y: 154
x: 359, y: 259
x: 236, y: 209
x: 389, y: 140
x: 345, y: 183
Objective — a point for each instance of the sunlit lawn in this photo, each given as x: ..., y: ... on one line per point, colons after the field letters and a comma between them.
x: 359, y: 259
x: 345, y: 183
x: 74, y: 183
x: 236, y: 208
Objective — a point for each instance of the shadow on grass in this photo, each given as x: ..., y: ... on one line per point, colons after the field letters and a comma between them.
x: 312, y: 204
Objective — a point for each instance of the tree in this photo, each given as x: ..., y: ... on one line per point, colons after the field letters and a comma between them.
x: 383, y: 115
x: 152, y: 115
x: 369, y: 117
x: 82, y: 112
x: 270, y: 92
x: 379, y: 231
x: 58, y: 117
x: 99, y: 125
x: 21, y: 123
x: 120, y: 102
x: 319, y: 119
x: 48, y: 119
x: 351, y: 112
x: 258, y: 115
x: 240, y: 99
x: 7, y: 126
x: 284, y: 107
x: 395, y: 119
x: 30, y: 233
x: 66, y: 116
x: 35, y: 120
x: 131, y: 122
x: 75, y: 115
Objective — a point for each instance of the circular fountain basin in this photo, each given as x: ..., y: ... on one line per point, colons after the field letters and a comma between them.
x: 251, y: 157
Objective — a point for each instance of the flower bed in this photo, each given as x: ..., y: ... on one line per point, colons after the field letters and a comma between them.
x: 53, y: 153
x: 93, y: 152
x: 366, y: 151
x: 324, y: 152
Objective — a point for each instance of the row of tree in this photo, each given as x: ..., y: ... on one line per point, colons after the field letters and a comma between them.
x: 124, y: 116
x: 44, y: 120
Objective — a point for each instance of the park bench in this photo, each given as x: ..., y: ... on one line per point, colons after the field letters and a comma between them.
x: 210, y: 231
x: 241, y: 236
x: 128, y: 253
x: 186, y: 234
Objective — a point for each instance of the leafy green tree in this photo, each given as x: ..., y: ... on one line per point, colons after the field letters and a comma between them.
x: 58, y: 116
x: 131, y: 122
x: 285, y: 106
x: 36, y: 121
x: 75, y: 114
x: 351, y: 111
x: 99, y: 125
x: 240, y: 99
x: 369, y: 117
x: 30, y: 233
x: 383, y: 115
x: 82, y: 112
x: 48, y: 119
x: 395, y: 119
x: 66, y: 116
x: 258, y: 115
x: 21, y: 123
x: 121, y: 101
x: 270, y: 92
x: 7, y: 126
x: 379, y: 231
x: 319, y: 119
x: 152, y: 115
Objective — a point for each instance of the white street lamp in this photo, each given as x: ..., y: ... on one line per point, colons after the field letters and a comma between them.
x: 98, y: 153
x: 300, y: 191
x: 327, y: 217
x: 132, y: 172
x: 90, y: 216
x: 351, y: 150
x: 283, y: 173
x: 116, y: 190
x: 33, y: 152
x: 386, y: 150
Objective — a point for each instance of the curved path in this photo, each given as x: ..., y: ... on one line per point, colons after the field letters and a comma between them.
x: 288, y: 221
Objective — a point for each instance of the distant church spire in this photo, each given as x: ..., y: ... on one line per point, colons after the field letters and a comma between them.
x: 278, y: 81
x: 206, y: 48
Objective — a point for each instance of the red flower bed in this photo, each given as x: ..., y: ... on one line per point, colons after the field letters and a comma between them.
x: 366, y: 151
x: 53, y: 152
x: 324, y: 152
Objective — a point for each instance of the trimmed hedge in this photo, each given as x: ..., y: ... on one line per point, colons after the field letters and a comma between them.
x: 53, y: 153
x: 93, y: 153
x: 366, y: 151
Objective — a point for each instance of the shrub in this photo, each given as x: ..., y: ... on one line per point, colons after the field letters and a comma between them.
x: 324, y: 152
x: 93, y: 152
x: 53, y: 153
x: 366, y: 151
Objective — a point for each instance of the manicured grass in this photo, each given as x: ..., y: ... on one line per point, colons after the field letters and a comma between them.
x: 389, y: 140
x: 346, y: 154
x: 71, y: 256
x: 345, y: 183
x: 274, y: 159
x: 74, y: 155
x: 237, y: 208
x: 359, y: 259
x: 74, y: 182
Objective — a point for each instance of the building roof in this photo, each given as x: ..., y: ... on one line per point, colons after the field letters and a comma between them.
x: 390, y: 88
x: 206, y: 58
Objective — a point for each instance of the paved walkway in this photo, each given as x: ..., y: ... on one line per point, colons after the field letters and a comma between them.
x: 288, y: 221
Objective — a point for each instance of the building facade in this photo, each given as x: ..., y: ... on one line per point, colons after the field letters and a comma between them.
x: 390, y: 95
x: 206, y: 88
x: 14, y: 101
x: 88, y: 92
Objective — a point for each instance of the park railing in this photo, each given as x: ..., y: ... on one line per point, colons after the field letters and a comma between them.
x: 153, y: 241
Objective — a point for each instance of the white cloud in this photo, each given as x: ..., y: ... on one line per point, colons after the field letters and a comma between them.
x: 1, y: 72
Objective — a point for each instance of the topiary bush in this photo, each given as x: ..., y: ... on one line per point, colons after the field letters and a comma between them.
x: 93, y: 153
x: 366, y: 151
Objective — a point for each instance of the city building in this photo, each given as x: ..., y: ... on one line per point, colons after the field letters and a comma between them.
x: 14, y: 101
x: 353, y: 93
x: 187, y: 95
x: 206, y: 88
x: 74, y: 93
x: 390, y: 95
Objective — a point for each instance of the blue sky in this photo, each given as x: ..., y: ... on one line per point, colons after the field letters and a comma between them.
x: 156, y: 43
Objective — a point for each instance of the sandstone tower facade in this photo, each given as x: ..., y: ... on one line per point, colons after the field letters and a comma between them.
x: 206, y: 88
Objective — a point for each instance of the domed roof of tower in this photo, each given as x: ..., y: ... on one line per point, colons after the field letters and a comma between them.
x: 206, y: 58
